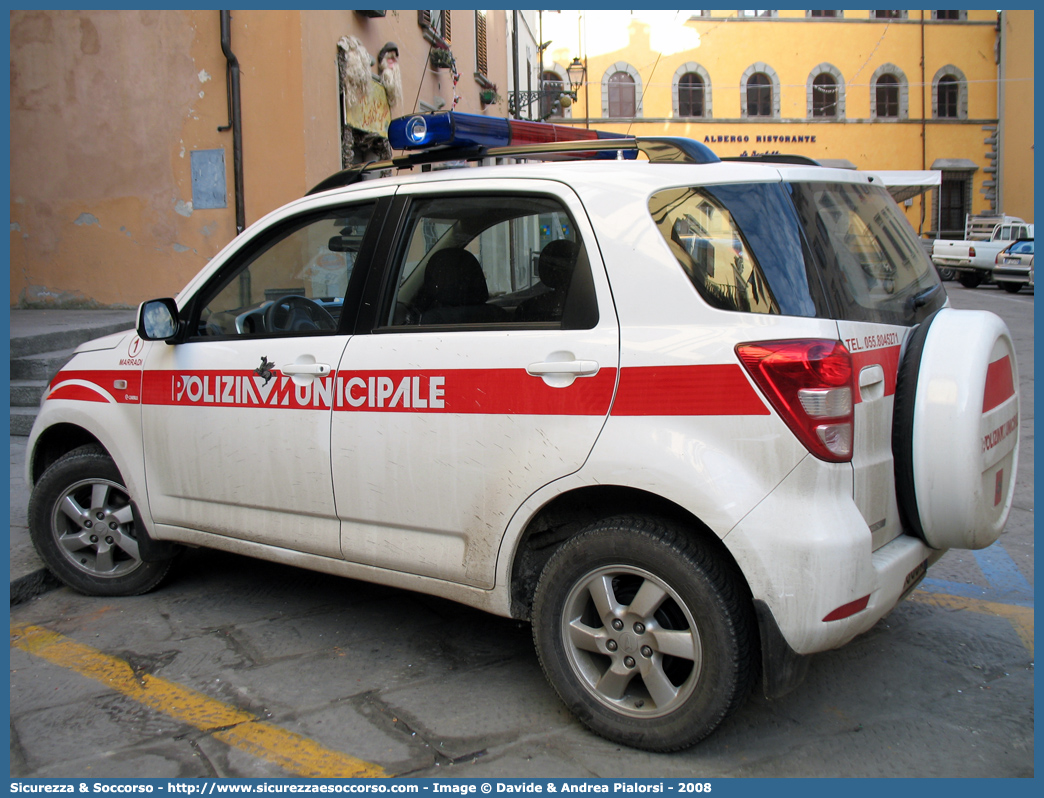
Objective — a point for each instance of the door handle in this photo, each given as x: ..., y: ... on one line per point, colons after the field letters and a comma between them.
x: 871, y: 382
x: 306, y: 369
x: 576, y: 368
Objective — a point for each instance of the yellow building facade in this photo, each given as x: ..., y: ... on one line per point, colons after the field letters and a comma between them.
x: 874, y: 90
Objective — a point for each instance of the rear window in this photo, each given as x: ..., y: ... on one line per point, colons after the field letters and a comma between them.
x: 828, y: 250
x: 1021, y: 248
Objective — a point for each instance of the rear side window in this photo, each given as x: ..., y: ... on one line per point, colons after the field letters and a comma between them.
x: 828, y: 250
x: 492, y: 260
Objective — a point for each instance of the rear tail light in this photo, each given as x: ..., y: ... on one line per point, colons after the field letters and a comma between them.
x: 810, y: 383
x: 971, y: 252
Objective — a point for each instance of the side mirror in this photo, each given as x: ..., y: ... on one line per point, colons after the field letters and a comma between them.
x: 158, y: 320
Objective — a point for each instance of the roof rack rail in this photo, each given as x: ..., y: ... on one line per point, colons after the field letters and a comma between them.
x: 799, y: 160
x: 451, y: 136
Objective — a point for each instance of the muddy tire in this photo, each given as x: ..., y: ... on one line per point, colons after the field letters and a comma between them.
x: 645, y: 634
x: 82, y: 524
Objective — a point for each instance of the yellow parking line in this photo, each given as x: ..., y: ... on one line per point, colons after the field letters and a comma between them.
x: 292, y: 752
x: 1021, y: 618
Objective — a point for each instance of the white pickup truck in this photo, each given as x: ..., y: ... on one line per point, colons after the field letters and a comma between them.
x: 972, y: 259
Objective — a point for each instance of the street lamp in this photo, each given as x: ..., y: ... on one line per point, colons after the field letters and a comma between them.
x: 576, y: 71
x: 555, y: 96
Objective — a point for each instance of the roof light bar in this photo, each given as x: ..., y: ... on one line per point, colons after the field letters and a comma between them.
x: 453, y: 129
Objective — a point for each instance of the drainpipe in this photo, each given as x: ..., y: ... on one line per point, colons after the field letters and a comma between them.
x: 514, y: 61
x: 924, y: 136
x: 235, y: 117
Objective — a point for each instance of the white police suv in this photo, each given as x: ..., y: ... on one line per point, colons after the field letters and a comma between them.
x: 694, y: 419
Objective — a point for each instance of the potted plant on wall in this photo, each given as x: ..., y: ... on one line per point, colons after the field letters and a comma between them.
x: 440, y: 58
x: 489, y: 95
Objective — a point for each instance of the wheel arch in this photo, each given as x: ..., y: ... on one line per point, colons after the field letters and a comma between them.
x: 54, y: 442
x: 781, y: 669
x: 569, y: 513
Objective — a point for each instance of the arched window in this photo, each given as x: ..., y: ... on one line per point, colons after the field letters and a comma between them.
x: 759, y: 95
x: 824, y: 96
x: 691, y: 92
x: 552, y: 87
x: 621, y: 95
x: 690, y: 95
x: 825, y: 90
x: 889, y: 94
x: 949, y: 93
x: 887, y: 90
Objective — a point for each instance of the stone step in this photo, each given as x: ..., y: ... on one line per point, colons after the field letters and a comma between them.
x: 42, y: 341
x: 37, y: 331
x: 22, y: 419
x: 40, y: 366
x: 27, y: 393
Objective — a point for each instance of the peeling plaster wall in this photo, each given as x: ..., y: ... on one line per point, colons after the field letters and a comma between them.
x: 105, y: 109
x: 108, y: 106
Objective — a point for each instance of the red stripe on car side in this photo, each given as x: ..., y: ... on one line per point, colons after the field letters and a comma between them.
x: 712, y: 390
x: 1000, y: 384
x: 105, y: 380
x: 479, y: 391
x: 77, y: 393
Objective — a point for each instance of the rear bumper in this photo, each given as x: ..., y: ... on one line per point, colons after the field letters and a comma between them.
x: 1013, y: 274
x: 806, y: 552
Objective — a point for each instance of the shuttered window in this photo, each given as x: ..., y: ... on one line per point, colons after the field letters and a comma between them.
x: 481, y: 64
x: 435, y: 23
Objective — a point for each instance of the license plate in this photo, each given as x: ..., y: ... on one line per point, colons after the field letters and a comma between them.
x: 1016, y: 261
x: 913, y: 579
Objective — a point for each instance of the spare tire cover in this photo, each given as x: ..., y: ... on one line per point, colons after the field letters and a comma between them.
x: 956, y: 429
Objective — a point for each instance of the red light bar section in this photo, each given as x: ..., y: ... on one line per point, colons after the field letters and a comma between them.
x: 542, y: 133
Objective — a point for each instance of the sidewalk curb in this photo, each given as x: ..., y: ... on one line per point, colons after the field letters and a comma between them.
x: 33, y: 584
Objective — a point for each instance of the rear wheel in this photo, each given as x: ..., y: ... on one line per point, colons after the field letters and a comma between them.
x: 81, y: 521
x: 644, y: 634
x: 969, y: 279
x: 1011, y: 288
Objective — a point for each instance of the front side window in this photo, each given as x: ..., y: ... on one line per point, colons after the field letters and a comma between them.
x: 759, y: 95
x: 492, y: 260
x: 294, y: 282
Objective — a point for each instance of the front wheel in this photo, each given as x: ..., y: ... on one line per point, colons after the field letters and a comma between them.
x: 82, y: 525
x: 644, y: 633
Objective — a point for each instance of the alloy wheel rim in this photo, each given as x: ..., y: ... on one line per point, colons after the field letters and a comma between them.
x: 93, y: 525
x: 632, y: 641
